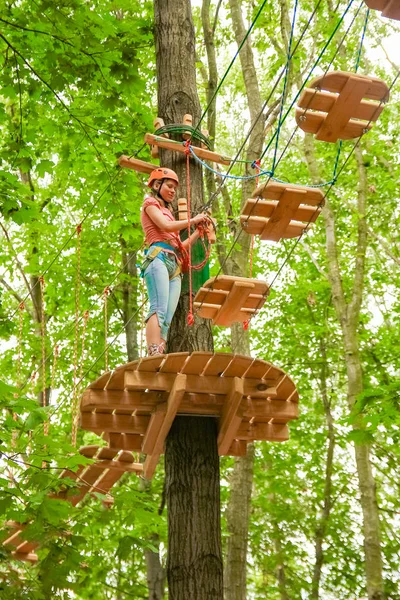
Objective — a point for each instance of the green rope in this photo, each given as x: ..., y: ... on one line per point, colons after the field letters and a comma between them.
x: 181, y: 128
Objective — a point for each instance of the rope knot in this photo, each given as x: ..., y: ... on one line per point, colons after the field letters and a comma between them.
x: 86, y: 315
x: 106, y: 292
x: 41, y: 279
x: 21, y: 306
x: 187, y: 147
x: 79, y: 229
x: 190, y: 319
x: 246, y: 324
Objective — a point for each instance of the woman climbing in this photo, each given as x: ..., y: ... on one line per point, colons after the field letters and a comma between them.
x: 162, y: 266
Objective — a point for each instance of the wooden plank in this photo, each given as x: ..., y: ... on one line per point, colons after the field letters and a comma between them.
x: 392, y: 10
x: 119, y: 466
x: 137, y: 165
x: 99, y: 423
x: 89, y: 451
x: 238, y: 366
x: 154, y: 427
x: 150, y: 364
x: 263, y: 410
x: 273, y: 190
x: 195, y: 384
x: 348, y: 100
x: 336, y: 80
x: 124, y: 441
x: 173, y: 403
x: 257, y: 369
x: 31, y: 557
x: 174, y: 362
x: 285, y: 388
x: 283, y: 214
x: 208, y: 311
x: 178, y: 147
x: 109, y: 478
x: 119, y: 400
x: 238, y: 448
x: 231, y: 418
x: 218, y: 363
x: 196, y: 363
x: 229, y: 312
x: 263, y: 431
x: 323, y: 101
x: 294, y: 229
x: 27, y: 547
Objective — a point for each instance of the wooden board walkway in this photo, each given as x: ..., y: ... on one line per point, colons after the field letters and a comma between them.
x: 100, y: 476
x: 281, y: 210
x: 226, y: 299
x: 341, y: 105
x: 134, y: 406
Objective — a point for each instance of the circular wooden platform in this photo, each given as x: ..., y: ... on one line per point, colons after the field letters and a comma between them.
x: 134, y: 406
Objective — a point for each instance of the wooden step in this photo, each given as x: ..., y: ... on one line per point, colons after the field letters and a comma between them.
x: 341, y: 105
x: 226, y: 299
x: 180, y: 147
x: 389, y: 8
x: 133, y: 408
x: 136, y: 165
x: 281, y: 210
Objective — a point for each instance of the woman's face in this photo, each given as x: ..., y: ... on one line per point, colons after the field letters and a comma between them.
x: 168, y: 190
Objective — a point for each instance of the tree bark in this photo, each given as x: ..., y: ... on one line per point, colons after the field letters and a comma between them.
x: 239, y: 505
x: 194, y: 564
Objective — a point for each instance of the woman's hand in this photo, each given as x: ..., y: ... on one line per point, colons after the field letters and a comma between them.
x: 200, y: 218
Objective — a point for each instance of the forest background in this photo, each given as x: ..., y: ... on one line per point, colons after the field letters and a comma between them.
x: 315, y: 517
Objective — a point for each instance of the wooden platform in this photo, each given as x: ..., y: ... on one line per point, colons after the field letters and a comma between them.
x: 341, y: 105
x: 281, y: 210
x: 389, y: 8
x: 99, y: 477
x: 134, y: 406
x: 226, y: 299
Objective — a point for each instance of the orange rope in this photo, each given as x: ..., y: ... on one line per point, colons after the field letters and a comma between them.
x: 142, y: 325
x: 106, y: 293
x: 76, y: 340
x: 190, y: 317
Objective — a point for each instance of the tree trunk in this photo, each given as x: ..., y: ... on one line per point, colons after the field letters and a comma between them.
x: 194, y: 564
x: 237, y: 524
x: 348, y: 314
x: 239, y: 505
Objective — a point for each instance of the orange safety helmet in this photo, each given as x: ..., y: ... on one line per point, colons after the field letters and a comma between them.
x: 161, y: 173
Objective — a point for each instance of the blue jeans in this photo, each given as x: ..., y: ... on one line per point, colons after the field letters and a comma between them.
x: 163, y: 292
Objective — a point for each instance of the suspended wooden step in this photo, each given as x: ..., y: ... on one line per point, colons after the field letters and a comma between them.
x: 134, y: 406
x: 389, y: 8
x: 99, y: 477
x: 135, y: 164
x: 180, y: 147
x: 226, y: 299
x: 341, y: 105
x: 281, y: 210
